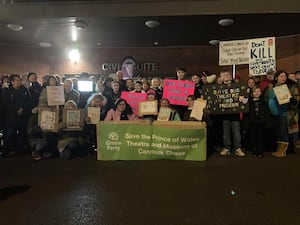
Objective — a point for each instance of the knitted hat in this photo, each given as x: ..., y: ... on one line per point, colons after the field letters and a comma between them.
x: 151, y: 92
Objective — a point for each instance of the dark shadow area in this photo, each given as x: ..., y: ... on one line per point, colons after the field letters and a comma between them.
x: 13, y: 190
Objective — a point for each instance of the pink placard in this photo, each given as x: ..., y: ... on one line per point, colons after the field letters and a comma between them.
x: 133, y: 99
x: 177, y: 91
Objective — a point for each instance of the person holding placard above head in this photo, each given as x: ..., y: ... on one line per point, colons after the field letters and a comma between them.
x: 122, y: 82
x: 231, y: 125
x: 121, y: 111
x: 279, y: 102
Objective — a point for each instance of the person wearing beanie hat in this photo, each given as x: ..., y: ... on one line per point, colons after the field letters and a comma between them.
x: 151, y: 95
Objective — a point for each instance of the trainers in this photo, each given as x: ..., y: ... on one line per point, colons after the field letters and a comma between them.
x: 225, y: 151
x: 239, y: 152
x: 36, y: 156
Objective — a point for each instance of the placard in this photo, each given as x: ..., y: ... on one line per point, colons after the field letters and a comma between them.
x: 148, y: 108
x: 164, y: 114
x: 55, y: 95
x: 225, y: 98
x: 282, y: 94
x: 93, y: 114
x: 176, y: 91
x: 48, y: 119
x: 72, y: 119
x: 262, y: 56
x: 233, y: 52
x: 133, y: 99
x: 197, y: 111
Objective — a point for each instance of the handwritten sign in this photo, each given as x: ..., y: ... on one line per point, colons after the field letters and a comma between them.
x: 225, y: 98
x: 282, y: 94
x: 133, y: 99
x: 197, y: 111
x: 72, y: 119
x: 148, y: 108
x: 55, y: 95
x: 164, y: 114
x: 48, y: 119
x: 93, y: 114
x: 262, y: 56
x: 233, y: 52
x: 176, y: 91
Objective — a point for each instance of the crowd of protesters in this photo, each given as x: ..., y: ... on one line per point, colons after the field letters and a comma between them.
x: 268, y: 126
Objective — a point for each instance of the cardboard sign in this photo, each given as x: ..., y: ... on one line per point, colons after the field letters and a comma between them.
x: 148, y: 108
x: 72, y: 120
x: 55, y: 95
x: 133, y: 99
x: 262, y: 56
x: 164, y: 114
x: 282, y: 94
x: 48, y: 119
x: 176, y: 91
x: 225, y: 98
x: 233, y: 52
x: 93, y: 114
x: 197, y: 111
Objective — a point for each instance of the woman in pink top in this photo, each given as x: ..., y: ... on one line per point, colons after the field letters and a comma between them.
x: 121, y: 111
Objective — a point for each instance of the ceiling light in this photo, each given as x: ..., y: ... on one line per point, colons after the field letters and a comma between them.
x: 152, y: 23
x: 155, y: 42
x: 226, y: 22
x: 45, y: 44
x: 14, y: 27
x: 74, y: 55
x: 214, y: 42
x: 74, y: 34
x: 99, y: 43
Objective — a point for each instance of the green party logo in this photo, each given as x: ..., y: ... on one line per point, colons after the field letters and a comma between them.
x: 113, y: 136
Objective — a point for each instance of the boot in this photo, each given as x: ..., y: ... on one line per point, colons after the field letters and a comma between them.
x: 281, y: 149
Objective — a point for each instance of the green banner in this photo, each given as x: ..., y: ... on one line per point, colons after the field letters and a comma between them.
x: 145, y: 141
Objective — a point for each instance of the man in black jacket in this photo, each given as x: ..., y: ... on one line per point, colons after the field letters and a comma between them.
x: 16, y: 104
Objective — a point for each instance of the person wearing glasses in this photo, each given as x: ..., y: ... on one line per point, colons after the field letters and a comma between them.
x: 121, y: 111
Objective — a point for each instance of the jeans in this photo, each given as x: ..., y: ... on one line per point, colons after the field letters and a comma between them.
x: 233, y: 126
x: 281, y: 128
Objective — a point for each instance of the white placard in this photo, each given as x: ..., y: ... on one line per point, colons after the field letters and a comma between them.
x: 233, y: 52
x: 262, y: 56
x: 55, y: 95
x: 94, y: 115
x: 197, y: 111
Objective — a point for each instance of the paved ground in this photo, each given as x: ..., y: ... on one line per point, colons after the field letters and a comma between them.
x: 221, y: 191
